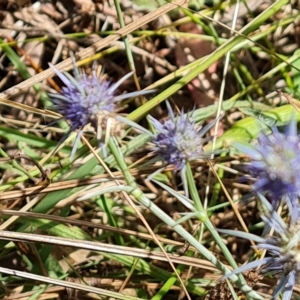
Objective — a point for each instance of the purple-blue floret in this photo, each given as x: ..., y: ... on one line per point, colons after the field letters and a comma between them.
x: 283, y: 250
x: 275, y: 164
x: 83, y: 97
x: 178, y: 140
x: 275, y: 167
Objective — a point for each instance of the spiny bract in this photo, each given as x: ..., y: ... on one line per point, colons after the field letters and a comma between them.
x: 275, y: 164
x: 179, y: 140
x: 85, y: 98
x: 283, y: 250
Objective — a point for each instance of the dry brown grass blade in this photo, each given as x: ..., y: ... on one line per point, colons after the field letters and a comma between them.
x: 107, y: 248
x: 87, y: 224
x: 294, y: 102
x: 42, y: 112
x: 57, y: 282
x: 32, y: 63
x: 67, y: 184
x: 67, y: 64
x: 56, y: 186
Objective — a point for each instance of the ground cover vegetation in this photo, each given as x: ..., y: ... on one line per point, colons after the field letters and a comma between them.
x: 149, y: 149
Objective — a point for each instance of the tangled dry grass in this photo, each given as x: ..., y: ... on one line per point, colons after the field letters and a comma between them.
x: 94, y: 228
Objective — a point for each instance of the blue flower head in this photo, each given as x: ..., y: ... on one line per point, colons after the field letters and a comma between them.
x: 275, y: 164
x: 283, y: 251
x: 179, y: 140
x: 85, y: 99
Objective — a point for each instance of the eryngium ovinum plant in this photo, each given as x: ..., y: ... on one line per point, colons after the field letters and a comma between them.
x: 283, y: 250
x: 275, y: 166
x: 86, y: 99
x: 179, y: 140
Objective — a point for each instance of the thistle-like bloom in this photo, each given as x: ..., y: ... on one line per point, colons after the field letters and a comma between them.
x: 179, y: 140
x: 283, y: 251
x: 86, y: 99
x: 275, y: 164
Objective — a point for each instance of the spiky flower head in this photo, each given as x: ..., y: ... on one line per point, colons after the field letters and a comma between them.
x: 178, y: 140
x: 275, y: 164
x: 85, y: 98
x: 283, y: 250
